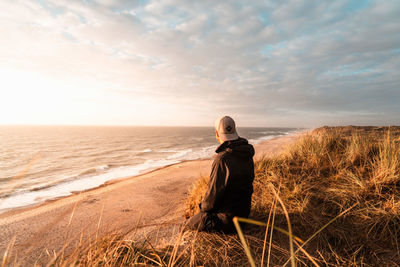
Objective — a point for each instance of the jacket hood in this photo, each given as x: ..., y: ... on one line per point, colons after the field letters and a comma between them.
x: 240, y: 147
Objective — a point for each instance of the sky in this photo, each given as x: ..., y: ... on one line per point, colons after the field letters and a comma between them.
x: 172, y: 62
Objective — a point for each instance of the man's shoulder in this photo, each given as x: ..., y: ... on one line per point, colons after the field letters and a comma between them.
x: 224, y: 157
x: 221, y: 156
x: 238, y: 149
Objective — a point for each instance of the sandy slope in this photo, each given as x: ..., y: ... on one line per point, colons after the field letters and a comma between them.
x: 148, y: 200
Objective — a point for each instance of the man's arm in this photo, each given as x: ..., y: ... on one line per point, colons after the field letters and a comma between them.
x: 216, y: 186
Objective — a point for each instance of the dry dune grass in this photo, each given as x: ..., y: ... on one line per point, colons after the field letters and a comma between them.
x: 195, y: 195
x: 339, y: 186
x: 332, y: 170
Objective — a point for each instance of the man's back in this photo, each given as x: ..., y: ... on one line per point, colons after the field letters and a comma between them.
x: 231, y: 180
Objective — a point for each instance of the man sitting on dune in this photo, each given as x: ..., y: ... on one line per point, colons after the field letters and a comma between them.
x: 231, y: 182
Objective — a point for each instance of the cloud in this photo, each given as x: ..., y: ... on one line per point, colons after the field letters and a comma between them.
x: 300, y: 63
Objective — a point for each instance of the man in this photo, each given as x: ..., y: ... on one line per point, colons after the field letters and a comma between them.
x: 231, y: 181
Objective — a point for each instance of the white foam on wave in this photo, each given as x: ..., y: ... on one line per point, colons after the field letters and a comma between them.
x: 102, y: 168
x: 189, y: 154
x: 146, y: 150
x: 83, y: 183
x: 204, y: 152
x: 270, y: 136
x: 168, y: 150
x: 262, y: 139
x: 180, y: 154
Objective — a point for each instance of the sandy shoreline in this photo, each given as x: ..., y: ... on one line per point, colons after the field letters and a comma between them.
x: 149, y: 199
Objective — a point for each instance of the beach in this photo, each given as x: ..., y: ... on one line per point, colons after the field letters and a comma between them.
x: 143, y: 202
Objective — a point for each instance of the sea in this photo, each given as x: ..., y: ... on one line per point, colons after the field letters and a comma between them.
x: 39, y: 163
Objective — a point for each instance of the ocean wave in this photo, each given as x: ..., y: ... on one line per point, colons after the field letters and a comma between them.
x: 142, y: 151
x: 197, y: 139
x: 268, y: 133
x: 204, y: 152
x: 95, y: 177
x: 268, y: 137
x: 41, y: 193
x: 100, y: 168
x: 168, y: 150
x: 99, y: 152
x: 180, y: 154
x: 261, y: 139
x: 190, y: 153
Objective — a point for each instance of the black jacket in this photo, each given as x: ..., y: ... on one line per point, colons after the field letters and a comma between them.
x: 231, y: 180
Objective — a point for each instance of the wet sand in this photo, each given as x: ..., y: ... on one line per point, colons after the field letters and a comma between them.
x: 145, y: 202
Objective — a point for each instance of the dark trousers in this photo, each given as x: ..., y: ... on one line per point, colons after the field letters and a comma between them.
x: 211, y: 222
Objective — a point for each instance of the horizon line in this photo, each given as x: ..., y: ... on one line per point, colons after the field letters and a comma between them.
x: 133, y: 125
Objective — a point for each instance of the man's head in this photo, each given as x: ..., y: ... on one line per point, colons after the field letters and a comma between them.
x: 225, y: 129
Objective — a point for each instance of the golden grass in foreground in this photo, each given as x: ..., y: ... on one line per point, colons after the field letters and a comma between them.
x: 327, y: 172
x: 339, y: 186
